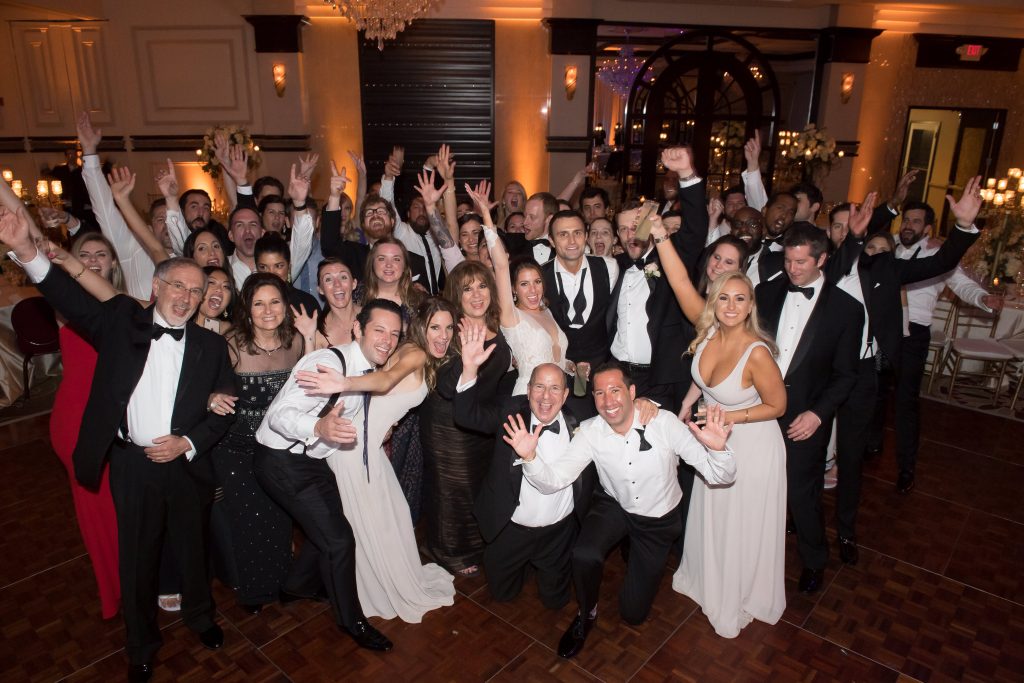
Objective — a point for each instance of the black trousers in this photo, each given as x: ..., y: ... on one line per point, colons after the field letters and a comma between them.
x: 650, y: 539
x: 853, y: 421
x: 547, y: 549
x: 805, y: 467
x: 307, y: 490
x: 154, y: 500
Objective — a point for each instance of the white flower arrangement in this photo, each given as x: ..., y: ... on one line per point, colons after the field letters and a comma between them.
x: 651, y: 270
x: 237, y: 135
x: 809, y: 154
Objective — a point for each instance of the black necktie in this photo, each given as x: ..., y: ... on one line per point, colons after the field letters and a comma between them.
x: 176, y: 332
x: 431, y: 274
x: 645, y: 445
x: 553, y: 428
x: 808, y: 292
x: 366, y: 429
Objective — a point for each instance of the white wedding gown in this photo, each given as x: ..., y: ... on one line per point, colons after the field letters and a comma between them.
x: 734, y: 555
x: 532, y: 345
x: 391, y: 580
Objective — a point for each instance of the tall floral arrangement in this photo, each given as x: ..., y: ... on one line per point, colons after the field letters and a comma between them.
x: 809, y: 154
x: 237, y: 135
x: 999, y: 252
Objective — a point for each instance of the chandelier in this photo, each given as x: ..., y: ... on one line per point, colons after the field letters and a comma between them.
x: 382, y: 20
x: 619, y: 73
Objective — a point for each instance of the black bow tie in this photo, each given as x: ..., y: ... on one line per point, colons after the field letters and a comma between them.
x: 645, y: 445
x: 639, y: 263
x: 177, y: 332
x: 808, y: 292
x: 554, y: 428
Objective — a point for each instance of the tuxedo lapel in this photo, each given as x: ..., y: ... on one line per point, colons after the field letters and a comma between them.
x: 771, y: 313
x: 810, y: 330
x: 189, y: 363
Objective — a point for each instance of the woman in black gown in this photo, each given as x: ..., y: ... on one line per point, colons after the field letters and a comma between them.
x: 456, y: 459
x: 264, y: 346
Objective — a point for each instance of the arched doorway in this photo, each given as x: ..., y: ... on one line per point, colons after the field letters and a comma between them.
x: 710, y: 89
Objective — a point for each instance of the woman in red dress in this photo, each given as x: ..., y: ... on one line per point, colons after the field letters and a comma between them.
x: 93, y: 262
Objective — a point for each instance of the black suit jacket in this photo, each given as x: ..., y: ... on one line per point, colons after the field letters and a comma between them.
x: 354, y: 254
x: 121, y: 331
x: 824, y: 366
x: 883, y: 275
x: 499, y: 493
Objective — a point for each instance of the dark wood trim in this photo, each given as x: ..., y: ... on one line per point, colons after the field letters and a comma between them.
x: 13, y: 145
x: 574, y: 144
x: 277, y: 32
x: 850, y: 45
x: 59, y: 143
x: 572, y: 36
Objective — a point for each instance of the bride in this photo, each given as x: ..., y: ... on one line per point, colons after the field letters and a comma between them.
x: 390, y: 578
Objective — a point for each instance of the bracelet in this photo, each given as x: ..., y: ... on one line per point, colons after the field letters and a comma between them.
x: 688, y: 178
x: 746, y: 416
x: 659, y: 240
x: 80, y: 273
x: 296, y: 207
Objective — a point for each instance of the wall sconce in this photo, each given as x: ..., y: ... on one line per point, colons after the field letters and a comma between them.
x: 16, y: 187
x: 279, y: 79
x: 8, y: 175
x: 846, y: 87
x: 571, y: 72
x: 56, y: 188
x: 42, y: 188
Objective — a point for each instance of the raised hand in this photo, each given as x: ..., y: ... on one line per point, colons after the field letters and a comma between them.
x: 15, y: 231
x: 966, y: 209
x: 425, y: 186
x: 902, y: 187
x: 305, y: 323
x: 298, y: 187
x: 307, y: 165
x: 398, y: 155
x: 715, y: 433
x: 237, y: 164
x: 715, y: 211
x: 324, y: 382
x: 334, y: 428
x: 393, y: 166
x: 122, y: 182
x: 57, y: 254
x: 446, y: 163
x: 88, y: 136
x: 472, y: 336
x: 678, y: 159
x: 860, y: 216
x: 481, y: 196
x: 752, y: 153
x: 339, y: 181
x: 521, y: 439
x: 358, y: 161
x: 221, y: 147
x: 167, y: 181
x: 52, y: 216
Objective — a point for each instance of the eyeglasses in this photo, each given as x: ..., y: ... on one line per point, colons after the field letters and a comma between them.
x: 180, y: 288
x: 381, y: 211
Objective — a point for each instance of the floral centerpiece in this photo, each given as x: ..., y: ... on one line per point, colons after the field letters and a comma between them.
x: 237, y: 135
x: 808, y: 155
x: 999, y: 252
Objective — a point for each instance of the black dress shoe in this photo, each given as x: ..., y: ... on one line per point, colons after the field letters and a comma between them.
x: 139, y: 673
x: 848, y: 552
x: 212, y: 638
x: 905, y: 482
x: 366, y: 636
x: 810, y: 580
x: 572, y: 640
x: 251, y: 609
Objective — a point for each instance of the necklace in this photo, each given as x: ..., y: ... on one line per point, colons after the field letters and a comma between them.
x: 269, y: 352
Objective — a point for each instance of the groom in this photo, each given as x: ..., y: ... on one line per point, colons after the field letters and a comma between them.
x: 293, y: 442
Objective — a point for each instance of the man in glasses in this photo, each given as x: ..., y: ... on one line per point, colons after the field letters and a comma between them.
x: 147, y: 413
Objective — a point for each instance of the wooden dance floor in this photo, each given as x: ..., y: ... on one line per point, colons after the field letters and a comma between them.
x: 938, y: 596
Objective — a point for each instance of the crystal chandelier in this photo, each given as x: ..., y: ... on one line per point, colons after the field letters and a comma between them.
x: 382, y: 20
x: 619, y: 73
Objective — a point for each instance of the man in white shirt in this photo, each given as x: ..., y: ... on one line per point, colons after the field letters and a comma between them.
x: 297, y: 434
x: 915, y: 230
x: 636, y: 466
x: 540, y: 210
x: 415, y: 234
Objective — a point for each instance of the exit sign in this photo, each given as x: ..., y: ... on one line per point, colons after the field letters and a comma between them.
x: 971, y: 52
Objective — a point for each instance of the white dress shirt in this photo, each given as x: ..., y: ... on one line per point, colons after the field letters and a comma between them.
x: 408, y: 236
x: 753, y: 189
x: 853, y: 285
x: 537, y: 509
x: 632, y: 343
x: 292, y: 415
x: 643, y: 482
x: 795, y: 313
x: 571, y: 282
x: 240, y: 270
x: 136, y: 264
x: 922, y: 296
x: 151, y: 405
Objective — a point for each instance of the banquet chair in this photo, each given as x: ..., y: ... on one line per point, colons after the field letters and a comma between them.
x: 940, y: 337
x: 993, y: 355
x: 1016, y: 346
x: 35, y: 328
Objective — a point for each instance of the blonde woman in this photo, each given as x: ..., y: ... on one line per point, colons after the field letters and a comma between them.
x: 734, y: 556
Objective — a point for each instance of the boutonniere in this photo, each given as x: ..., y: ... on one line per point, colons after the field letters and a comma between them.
x: 651, y: 270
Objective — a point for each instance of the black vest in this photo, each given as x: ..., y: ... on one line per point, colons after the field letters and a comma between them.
x: 591, y: 342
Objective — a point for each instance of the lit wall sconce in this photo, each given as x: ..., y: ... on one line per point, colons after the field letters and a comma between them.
x: 17, y: 187
x: 42, y: 188
x: 279, y: 79
x: 56, y: 188
x: 571, y: 72
x: 8, y: 175
x: 846, y: 87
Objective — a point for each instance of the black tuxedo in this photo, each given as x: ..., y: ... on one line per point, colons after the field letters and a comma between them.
x: 820, y: 376
x: 510, y: 546
x: 354, y: 254
x: 150, y: 498
x: 589, y: 343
